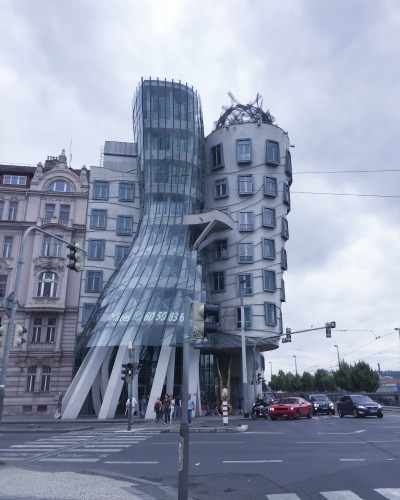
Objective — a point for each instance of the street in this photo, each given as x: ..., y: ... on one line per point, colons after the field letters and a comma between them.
x: 325, y: 457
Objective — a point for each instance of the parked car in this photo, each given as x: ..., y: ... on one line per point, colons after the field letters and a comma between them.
x: 290, y: 407
x: 321, y: 404
x: 358, y: 405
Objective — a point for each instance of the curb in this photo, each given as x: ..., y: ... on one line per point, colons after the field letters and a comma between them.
x: 239, y: 428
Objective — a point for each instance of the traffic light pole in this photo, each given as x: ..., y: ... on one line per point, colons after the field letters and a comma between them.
x: 14, y: 308
x: 244, y: 361
x: 130, y: 388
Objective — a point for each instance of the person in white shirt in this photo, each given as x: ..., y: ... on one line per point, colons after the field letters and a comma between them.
x: 134, y: 403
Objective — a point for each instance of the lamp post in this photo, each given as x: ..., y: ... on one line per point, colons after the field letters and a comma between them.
x: 244, y: 363
x: 338, y: 357
x: 271, y: 368
x: 295, y: 363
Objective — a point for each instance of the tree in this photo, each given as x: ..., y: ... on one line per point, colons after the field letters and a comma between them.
x: 363, y: 378
x: 278, y: 381
x: 324, y: 380
x: 343, y: 376
x: 307, y: 382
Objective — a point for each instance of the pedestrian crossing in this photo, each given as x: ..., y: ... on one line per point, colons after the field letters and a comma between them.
x: 385, y: 493
x: 90, y: 446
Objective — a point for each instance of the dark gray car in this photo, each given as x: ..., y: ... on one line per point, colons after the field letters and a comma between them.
x: 321, y: 404
x: 358, y: 405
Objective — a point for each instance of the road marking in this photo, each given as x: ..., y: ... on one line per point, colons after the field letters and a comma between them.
x: 251, y: 461
x: 390, y: 493
x: 90, y: 450
x: 352, y: 459
x: 283, y: 496
x: 41, y: 446
x: 52, y: 459
x: 340, y: 495
x: 120, y: 462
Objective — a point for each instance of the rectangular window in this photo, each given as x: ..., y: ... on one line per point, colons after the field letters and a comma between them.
x: 270, y: 186
x: 221, y: 188
x: 245, y: 253
x: 96, y: 249
x: 12, y: 210
x: 94, y: 281
x: 126, y: 191
x: 86, y: 312
x: 286, y: 195
x: 268, y: 248
x: 51, y: 330
x: 124, y: 225
x: 3, y: 284
x: 246, y: 221
x: 57, y: 246
x: 7, y: 247
x: 31, y: 379
x: 49, y: 210
x: 18, y: 180
x: 64, y: 212
x: 120, y: 252
x: 218, y: 281
x: 37, y: 329
x: 269, y: 280
x: 285, y: 229
x: 217, y: 156
x: 244, y: 284
x: 46, y: 243
x: 283, y: 292
x: 268, y: 215
x: 221, y: 249
x: 98, y: 219
x: 1, y: 208
x: 247, y: 318
x: 284, y: 265
x: 270, y: 313
x: 100, y: 190
x: 288, y: 164
x: 243, y: 149
x: 245, y: 184
x: 46, y: 374
x: 273, y: 153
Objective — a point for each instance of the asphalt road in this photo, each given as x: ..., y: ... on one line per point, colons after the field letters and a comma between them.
x: 306, y: 459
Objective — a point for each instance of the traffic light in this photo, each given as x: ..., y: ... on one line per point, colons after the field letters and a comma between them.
x: 129, y: 370
x: 328, y: 327
x: 124, y: 371
x: 201, y: 312
x: 19, y: 330
x: 288, y: 337
x: 3, y: 333
x: 76, y: 257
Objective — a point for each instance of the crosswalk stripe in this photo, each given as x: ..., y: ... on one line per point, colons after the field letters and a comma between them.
x: 389, y: 493
x: 340, y: 495
x: 283, y: 496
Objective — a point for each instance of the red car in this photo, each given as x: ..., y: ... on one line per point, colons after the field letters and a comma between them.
x: 290, y: 407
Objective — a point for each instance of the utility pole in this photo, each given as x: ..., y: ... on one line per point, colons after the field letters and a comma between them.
x: 244, y: 362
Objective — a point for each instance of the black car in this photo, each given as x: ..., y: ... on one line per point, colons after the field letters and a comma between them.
x: 358, y: 405
x: 321, y: 404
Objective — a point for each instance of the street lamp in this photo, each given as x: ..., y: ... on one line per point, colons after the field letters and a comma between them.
x: 244, y: 363
x: 270, y: 362
x: 295, y: 363
x: 338, y: 357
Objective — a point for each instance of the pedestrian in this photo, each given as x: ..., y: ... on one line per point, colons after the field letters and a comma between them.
x: 167, y: 410
x: 190, y: 408
x: 133, y: 404
x: 171, y: 408
x: 143, y: 406
x: 158, y: 408
x: 177, y: 404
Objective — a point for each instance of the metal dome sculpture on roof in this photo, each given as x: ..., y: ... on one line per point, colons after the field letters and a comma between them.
x: 243, y: 113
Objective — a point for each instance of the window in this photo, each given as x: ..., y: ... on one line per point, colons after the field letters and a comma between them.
x: 48, y: 282
x: 19, y: 180
x: 98, y: 219
x: 94, y: 281
x: 57, y: 248
x: 218, y: 281
x: 285, y: 229
x: 288, y: 164
x: 86, y: 312
x: 243, y: 149
x: 247, y: 317
x: 100, y: 190
x: 49, y: 210
x: 286, y: 194
x: 3, y: 285
x: 120, y: 252
x: 60, y: 186
x: 217, y: 156
x: 124, y: 225
x: 96, y: 249
x: 270, y: 186
x: 268, y: 248
x: 221, y: 188
x: 126, y: 191
x: 224, y: 210
x: 244, y: 284
x: 64, y: 212
x: 269, y: 219
x: 7, y: 247
x: 245, y: 253
x: 246, y: 221
x: 31, y: 379
x: 46, y: 372
x: 283, y: 292
x: 269, y: 280
x: 245, y: 183
x: 273, y: 153
x: 37, y: 329
x: 221, y: 249
x: 270, y: 313
x: 283, y: 259
x: 46, y: 242
x: 1, y: 208
x: 12, y: 210
x: 51, y: 330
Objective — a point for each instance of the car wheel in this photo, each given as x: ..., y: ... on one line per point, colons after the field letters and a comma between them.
x: 341, y: 414
x: 310, y: 414
x: 314, y: 412
x: 265, y: 415
x: 332, y: 412
x: 297, y: 416
x: 273, y: 418
x: 355, y: 414
x: 380, y: 415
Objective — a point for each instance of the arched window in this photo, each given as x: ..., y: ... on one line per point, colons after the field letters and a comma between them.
x: 48, y: 284
x: 60, y: 186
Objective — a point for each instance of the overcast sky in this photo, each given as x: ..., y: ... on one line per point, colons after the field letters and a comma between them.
x: 328, y: 71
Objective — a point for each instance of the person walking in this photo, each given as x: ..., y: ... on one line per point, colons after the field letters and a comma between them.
x: 171, y: 408
x: 190, y: 408
x: 177, y: 410
x: 158, y: 408
x: 167, y: 410
x: 143, y: 406
x: 133, y: 403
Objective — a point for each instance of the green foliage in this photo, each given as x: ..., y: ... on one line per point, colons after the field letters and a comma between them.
x: 324, y: 380
x: 363, y: 378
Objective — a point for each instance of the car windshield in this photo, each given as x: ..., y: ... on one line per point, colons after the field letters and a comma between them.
x: 319, y: 397
x: 287, y: 401
x: 361, y: 399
